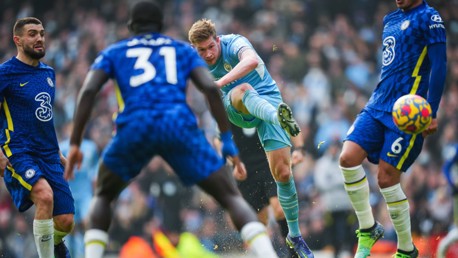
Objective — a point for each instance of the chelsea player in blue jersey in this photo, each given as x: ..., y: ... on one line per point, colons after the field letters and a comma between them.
x: 414, y: 62
x: 30, y: 153
x: 151, y: 71
x: 252, y: 99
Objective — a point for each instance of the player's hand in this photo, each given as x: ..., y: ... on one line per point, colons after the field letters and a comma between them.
x: 239, y: 171
x: 431, y: 129
x: 75, y: 157
x: 297, y: 156
x: 4, y: 162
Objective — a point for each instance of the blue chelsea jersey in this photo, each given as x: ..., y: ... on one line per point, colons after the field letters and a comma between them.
x: 27, y: 97
x: 405, y: 64
x: 150, y: 71
x: 259, y: 78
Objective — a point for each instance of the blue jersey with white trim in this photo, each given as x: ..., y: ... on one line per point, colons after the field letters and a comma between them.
x: 27, y: 97
x: 406, y: 67
x: 150, y: 71
x: 259, y: 78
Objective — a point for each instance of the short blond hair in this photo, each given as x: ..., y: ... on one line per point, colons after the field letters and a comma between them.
x: 201, y: 30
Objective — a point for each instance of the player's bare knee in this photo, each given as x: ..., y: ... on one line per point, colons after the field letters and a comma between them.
x: 346, y: 160
x: 386, y: 179
x: 282, y: 175
x: 244, y: 87
x: 64, y: 223
x: 238, y: 92
x: 387, y: 175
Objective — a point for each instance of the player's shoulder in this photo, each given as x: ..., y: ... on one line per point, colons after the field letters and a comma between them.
x: 45, y: 66
x: 429, y: 18
x: 14, y: 66
x: 227, y: 38
x: 6, y: 66
x: 391, y: 15
x: 428, y: 9
x: 426, y: 14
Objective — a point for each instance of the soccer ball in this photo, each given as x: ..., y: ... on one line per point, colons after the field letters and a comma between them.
x: 412, y: 114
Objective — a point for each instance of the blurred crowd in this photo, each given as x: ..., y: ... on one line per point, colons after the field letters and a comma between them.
x: 325, y: 56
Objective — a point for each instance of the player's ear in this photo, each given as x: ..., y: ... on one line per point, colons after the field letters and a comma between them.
x: 17, y: 40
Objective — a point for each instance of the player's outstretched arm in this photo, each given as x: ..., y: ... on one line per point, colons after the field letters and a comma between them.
x: 437, y: 54
x: 94, y: 81
x: 248, y: 62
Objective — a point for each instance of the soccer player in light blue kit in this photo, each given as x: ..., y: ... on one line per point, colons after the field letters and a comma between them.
x: 414, y: 62
x: 151, y: 71
x: 34, y: 165
x: 252, y: 99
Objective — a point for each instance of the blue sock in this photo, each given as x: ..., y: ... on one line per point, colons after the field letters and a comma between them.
x: 260, y: 107
x: 287, y: 196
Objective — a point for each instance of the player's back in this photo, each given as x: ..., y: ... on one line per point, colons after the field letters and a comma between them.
x: 150, y: 71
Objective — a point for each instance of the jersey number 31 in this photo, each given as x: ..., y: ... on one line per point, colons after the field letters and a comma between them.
x: 142, y: 62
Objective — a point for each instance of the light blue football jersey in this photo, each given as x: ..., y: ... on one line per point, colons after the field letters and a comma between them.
x: 259, y: 79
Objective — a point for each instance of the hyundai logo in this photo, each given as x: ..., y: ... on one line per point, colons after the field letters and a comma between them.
x: 436, y: 18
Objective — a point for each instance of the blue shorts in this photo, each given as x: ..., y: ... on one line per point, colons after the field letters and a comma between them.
x: 173, y: 134
x: 272, y: 136
x: 26, y: 171
x: 376, y: 133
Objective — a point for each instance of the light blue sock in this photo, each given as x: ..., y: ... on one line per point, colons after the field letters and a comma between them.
x: 287, y: 196
x: 260, y: 107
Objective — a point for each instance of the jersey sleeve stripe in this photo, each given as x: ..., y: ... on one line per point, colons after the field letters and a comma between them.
x: 10, y: 128
x: 5, y: 146
x: 417, y: 70
x: 9, y: 120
